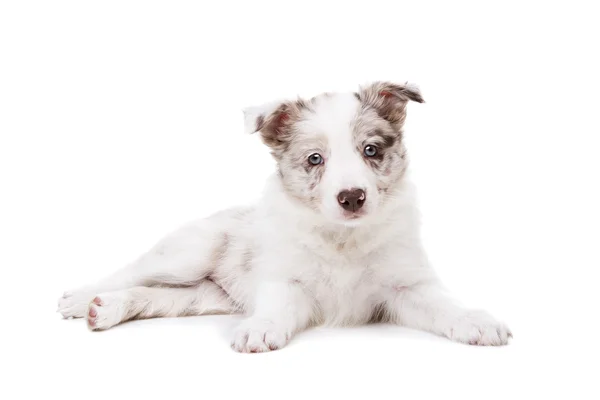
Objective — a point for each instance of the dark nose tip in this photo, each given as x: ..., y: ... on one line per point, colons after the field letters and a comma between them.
x: 352, y: 200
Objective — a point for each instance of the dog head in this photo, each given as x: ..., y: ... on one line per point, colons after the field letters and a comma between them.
x: 339, y: 154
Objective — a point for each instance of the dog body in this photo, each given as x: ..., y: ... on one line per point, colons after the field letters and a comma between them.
x: 334, y: 240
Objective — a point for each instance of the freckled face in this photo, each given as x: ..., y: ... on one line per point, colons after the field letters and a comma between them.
x: 335, y: 145
x: 382, y: 148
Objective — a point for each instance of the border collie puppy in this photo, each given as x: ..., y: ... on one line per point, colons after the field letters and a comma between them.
x: 334, y: 240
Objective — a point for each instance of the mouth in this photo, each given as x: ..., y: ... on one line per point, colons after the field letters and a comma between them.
x: 353, y: 216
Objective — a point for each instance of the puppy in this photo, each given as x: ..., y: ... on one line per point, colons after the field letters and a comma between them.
x: 334, y: 240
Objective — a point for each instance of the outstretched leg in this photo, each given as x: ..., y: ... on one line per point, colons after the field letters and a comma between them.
x: 183, y: 258
x: 426, y: 307
x: 109, y: 309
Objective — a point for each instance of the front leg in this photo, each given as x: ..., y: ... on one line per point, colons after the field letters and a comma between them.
x: 425, y: 306
x: 281, y: 309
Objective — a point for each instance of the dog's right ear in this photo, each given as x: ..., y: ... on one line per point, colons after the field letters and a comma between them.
x: 254, y: 117
x: 273, y: 121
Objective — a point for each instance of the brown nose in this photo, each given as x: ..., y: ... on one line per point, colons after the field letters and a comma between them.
x: 352, y: 200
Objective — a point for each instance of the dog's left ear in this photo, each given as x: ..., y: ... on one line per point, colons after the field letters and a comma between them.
x: 389, y: 99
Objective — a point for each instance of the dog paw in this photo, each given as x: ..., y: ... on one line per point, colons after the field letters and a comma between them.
x: 74, y: 304
x: 258, y: 336
x: 479, y: 328
x: 105, y: 311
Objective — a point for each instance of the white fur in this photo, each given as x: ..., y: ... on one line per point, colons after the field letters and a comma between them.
x: 287, y: 268
x: 345, y: 169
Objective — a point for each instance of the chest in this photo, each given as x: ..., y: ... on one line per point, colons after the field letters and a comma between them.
x: 344, y: 290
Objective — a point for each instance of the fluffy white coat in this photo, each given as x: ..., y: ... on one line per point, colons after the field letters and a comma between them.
x: 298, y: 258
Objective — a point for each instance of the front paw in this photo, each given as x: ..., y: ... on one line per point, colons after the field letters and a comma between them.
x: 256, y: 335
x: 479, y: 328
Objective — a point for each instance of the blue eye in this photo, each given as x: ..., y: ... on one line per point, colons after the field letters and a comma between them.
x: 315, y: 159
x: 370, y: 151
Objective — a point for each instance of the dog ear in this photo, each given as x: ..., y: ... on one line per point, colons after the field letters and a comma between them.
x: 389, y: 99
x: 273, y: 121
x: 255, y: 117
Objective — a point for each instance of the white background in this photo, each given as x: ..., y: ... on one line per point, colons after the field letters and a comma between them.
x: 120, y: 120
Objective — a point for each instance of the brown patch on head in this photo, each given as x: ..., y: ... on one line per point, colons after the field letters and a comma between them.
x: 383, y: 140
x: 379, y: 123
x: 371, y: 130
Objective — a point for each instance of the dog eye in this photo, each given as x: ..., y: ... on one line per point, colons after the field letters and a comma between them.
x: 315, y: 159
x: 370, y: 151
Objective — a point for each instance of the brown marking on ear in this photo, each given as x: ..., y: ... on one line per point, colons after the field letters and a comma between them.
x: 389, y: 99
x: 274, y: 127
x: 404, y: 93
x: 413, y: 94
x: 281, y: 119
x: 379, y: 122
x: 277, y: 128
x: 260, y: 121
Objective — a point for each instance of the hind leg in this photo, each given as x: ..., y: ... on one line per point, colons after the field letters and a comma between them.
x: 183, y: 258
x: 109, y: 309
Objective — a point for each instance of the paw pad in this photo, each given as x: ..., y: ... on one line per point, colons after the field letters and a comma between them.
x: 92, y: 312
